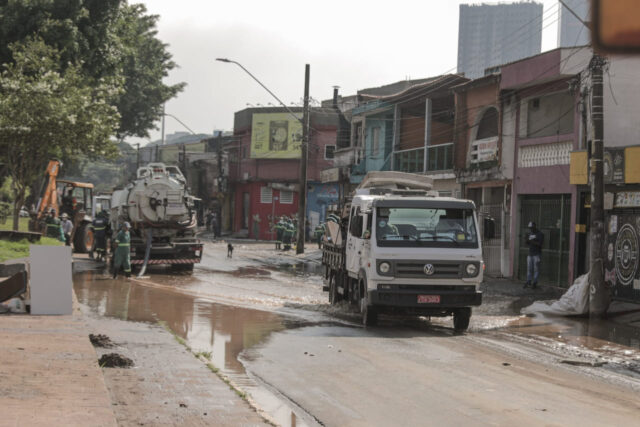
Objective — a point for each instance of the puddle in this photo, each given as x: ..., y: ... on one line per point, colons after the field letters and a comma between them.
x: 300, y: 268
x: 247, y: 272
x: 603, y: 336
x: 221, y: 330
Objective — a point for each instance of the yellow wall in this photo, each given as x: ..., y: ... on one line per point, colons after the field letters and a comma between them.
x: 578, y: 169
x: 632, y: 165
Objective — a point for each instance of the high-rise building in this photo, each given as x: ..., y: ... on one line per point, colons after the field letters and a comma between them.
x: 495, y: 34
x: 572, y: 32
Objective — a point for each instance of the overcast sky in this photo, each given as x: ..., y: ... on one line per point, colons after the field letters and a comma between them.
x: 353, y: 44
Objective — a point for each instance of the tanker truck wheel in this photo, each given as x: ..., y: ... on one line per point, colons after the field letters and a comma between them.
x: 186, y: 268
x: 83, y: 239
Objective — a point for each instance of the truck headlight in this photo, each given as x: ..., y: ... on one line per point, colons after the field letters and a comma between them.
x: 472, y: 270
x: 384, y: 267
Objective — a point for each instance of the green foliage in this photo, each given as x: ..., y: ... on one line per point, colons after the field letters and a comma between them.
x: 106, y: 41
x: 20, y: 249
x: 145, y: 62
x: 47, y: 112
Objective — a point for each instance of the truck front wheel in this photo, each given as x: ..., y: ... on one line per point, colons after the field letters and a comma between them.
x: 368, y: 312
x: 461, y: 317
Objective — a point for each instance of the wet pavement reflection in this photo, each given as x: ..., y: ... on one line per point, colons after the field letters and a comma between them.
x: 604, y: 336
x: 221, y: 330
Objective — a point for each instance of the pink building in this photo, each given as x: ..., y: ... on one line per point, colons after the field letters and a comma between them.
x: 265, y: 166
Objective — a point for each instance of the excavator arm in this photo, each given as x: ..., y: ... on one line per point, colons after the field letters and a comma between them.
x: 49, y: 195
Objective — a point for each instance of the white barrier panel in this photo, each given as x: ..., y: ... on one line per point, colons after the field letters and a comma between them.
x: 51, y: 283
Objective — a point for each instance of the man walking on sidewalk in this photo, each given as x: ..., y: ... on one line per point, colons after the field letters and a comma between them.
x: 535, y: 240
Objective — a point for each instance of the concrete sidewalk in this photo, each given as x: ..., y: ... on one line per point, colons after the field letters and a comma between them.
x: 49, y: 373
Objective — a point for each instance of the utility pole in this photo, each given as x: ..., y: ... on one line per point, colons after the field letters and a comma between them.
x: 302, y: 195
x: 137, y: 156
x: 162, y: 142
x: 599, y: 297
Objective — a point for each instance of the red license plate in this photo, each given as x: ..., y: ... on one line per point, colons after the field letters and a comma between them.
x: 428, y: 299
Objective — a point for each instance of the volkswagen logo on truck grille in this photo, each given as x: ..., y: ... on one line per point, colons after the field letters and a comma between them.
x: 429, y: 269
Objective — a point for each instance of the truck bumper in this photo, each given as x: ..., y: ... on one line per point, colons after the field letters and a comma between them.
x: 406, y: 300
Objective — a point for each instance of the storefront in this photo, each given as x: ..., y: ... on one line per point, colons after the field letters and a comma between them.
x: 552, y: 215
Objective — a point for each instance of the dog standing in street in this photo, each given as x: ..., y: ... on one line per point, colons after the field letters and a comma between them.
x: 229, y: 250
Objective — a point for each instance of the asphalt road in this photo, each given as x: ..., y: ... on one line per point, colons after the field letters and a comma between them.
x: 399, y: 376
x: 329, y: 370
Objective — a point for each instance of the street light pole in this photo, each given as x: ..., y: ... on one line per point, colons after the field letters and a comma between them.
x: 229, y: 61
x: 302, y: 199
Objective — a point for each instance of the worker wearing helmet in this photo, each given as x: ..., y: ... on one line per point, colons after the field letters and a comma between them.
x: 122, y: 255
x: 54, y: 227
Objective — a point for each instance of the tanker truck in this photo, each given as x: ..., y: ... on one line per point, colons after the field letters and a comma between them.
x: 161, y: 212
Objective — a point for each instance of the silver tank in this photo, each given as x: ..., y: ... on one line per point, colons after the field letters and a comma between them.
x: 157, y: 198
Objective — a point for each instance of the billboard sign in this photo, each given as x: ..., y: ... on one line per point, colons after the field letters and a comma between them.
x: 275, y: 136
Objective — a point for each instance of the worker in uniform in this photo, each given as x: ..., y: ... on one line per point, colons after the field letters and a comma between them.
x: 287, y: 234
x: 319, y: 233
x: 67, y: 228
x: 122, y: 254
x: 54, y: 228
x: 100, y: 230
x: 279, y: 233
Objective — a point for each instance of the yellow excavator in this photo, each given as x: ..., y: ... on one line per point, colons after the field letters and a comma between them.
x: 70, y: 197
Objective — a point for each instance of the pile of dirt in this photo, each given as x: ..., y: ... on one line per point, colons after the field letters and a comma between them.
x: 100, y: 340
x: 115, y: 360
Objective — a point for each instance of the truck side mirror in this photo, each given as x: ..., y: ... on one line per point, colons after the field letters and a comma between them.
x: 489, y: 227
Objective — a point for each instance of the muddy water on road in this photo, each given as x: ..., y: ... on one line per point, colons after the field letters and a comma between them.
x: 221, y: 330
x: 603, y: 336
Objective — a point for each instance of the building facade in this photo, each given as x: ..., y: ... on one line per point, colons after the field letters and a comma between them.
x: 410, y: 131
x: 483, y: 153
x: 264, y: 168
x: 494, y: 34
x: 572, y: 32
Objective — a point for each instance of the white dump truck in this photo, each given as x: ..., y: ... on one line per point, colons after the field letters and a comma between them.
x: 161, y: 212
x: 402, y: 249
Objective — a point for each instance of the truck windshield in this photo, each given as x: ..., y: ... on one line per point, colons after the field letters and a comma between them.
x: 425, y: 227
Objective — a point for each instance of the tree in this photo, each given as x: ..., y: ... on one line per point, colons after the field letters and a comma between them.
x: 47, y: 112
x: 107, y: 41
x: 145, y: 62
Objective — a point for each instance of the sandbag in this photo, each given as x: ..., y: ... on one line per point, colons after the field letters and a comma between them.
x: 574, y: 302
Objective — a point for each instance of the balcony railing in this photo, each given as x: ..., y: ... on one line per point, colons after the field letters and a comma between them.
x: 411, y: 161
x: 440, y: 157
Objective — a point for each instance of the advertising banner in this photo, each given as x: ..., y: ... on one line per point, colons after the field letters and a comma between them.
x: 275, y: 136
x: 622, y: 255
x: 613, y: 166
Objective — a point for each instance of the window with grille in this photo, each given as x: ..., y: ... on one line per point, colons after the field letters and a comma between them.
x: 266, y: 195
x: 328, y: 151
x: 286, y: 197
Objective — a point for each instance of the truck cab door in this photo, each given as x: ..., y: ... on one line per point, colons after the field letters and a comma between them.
x: 354, y: 241
x: 364, y: 249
